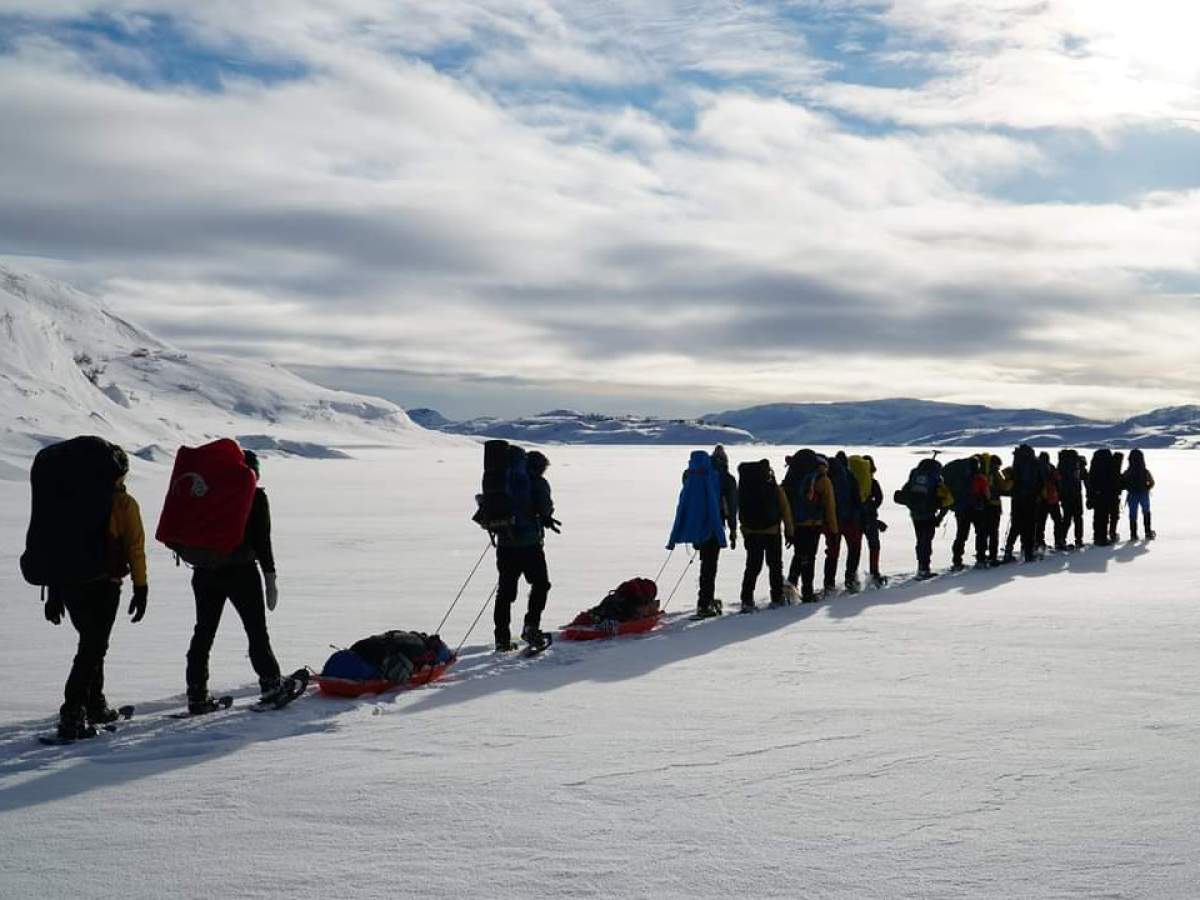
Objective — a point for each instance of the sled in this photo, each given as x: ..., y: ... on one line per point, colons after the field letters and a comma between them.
x: 332, y: 686
x: 610, y: 628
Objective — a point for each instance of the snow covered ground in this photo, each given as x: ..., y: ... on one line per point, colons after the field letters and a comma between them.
x: 1033, y: 731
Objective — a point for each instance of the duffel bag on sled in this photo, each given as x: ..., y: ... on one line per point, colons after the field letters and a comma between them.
x: 630, y: 608
x: 385, y: 662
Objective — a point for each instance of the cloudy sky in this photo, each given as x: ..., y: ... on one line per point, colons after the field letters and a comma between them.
x: 627, y: 205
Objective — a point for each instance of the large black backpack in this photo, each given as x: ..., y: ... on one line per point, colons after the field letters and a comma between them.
x: 73, y: 485
x: 920, y: 492
x: 397, y: 654
x: 957, y: 475
x: 758, y: 496
x: 494, y: 506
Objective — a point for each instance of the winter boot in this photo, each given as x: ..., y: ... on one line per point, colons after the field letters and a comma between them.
x: 535, y: 637
x: 878, y: 579
x: 102, y: 714
x: 506, y: 646
x: 1133, y: 532
x: 72, y: 724
x: 749, y: 607
x: 201, y: 702
x: 853, y: 585
x: 1149, y: 531
x: 1008, y: 558
x: 924, y: 574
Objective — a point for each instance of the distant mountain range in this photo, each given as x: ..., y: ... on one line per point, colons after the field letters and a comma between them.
x: 895, y: 422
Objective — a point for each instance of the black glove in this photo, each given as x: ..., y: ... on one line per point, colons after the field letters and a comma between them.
x: 552, y: 523
x: 732, y: 539
x: 881, y: 525
x: 54, y: 608
x: 137, y: 606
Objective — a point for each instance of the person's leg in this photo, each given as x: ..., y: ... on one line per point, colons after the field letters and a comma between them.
x: 979, y: 521
x: 246, y: 597
x: 538, y: 576
x: 808, y: 537
x: 92, y: 609
x: 773, y: 550
x: 1100, y: 523
x: 995, y: 513
x: 710, y: 552
x: 924, y: 529
x: 871, y: 533
x: 210, y: 592
x: 854, y: 536
x: 1028, y: 527
x: 1145, y: 504
x: 797, y: 562
x: 508, y: 568
x: 755, y: 552
x: 962, y: 528
x: 833, y: 548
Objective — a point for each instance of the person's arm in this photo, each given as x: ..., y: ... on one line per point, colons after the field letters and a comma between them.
x: 132, y: 535
x: 1149, y: 481
x: 785, y: 510
x: 825, y: 487
x: 260, y: 531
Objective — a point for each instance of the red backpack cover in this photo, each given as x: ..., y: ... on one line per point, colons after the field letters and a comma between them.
x: 208, y: 501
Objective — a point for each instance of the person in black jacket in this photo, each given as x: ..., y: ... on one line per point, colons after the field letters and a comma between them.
x: 521, y: 552
x: 1072, y: 474
x: 1100, y: 494
x: 871, y: 526
x: 237, y: 580
x: 710, y: 551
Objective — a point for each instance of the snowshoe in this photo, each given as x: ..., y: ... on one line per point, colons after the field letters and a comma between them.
x: 777, y: 604
x: 507, y: 646
x: 853, y: 585
x: 108, y: 715
x: 533, y: 648
x: 285, y: 692
x: 982, y: 564
x: 708, y: 610
x: 925, y: 575
x: 202, y: 706
x: 809, y: 597
x: 791, y: 594
x: 879, y: 580
x: 749, y: 607
x: 1151, y: 535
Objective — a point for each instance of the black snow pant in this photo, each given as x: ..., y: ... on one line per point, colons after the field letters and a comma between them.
x: 710, y: 554
x: 1052, y: 512
x: 92, y: 608
x: 760, y: 548
x: 964, y: 521
x: 1023, y: 525
x: 925, y: 530
x: 992, y: 516
x: 804, y: 558
x: 1100, y: 520
x: 241, y: 585
x: 1072, y: 514
x: 1114, y: 517
x: 871, y: 534
x: 513, y: 563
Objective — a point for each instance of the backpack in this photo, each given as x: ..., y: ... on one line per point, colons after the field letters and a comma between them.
x: 636, y: 598
x: 860, y: 468
x: 957, y: 476
x: 208, y: 503
x: 920, y: 492
x: 845, y: 491
x: 73, y: 483
x: 758, y: 496
x: 396, y: 655
x: 493, y: 507
x: 1027, y: 476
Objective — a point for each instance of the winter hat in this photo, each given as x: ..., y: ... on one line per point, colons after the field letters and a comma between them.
x: 120, y: 462
x: 536, y: 462
x: 719, y: 458
x: 251, y: 459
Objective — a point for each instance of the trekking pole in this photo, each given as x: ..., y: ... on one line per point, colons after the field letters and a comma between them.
x: 457, y: 596
x: 482, y: 609
x: 691, y: 559
x: 664, y: 565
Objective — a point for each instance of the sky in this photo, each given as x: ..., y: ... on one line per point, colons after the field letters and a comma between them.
x: 640, y: 206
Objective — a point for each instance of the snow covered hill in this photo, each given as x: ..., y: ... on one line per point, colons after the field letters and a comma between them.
x: 568, y: 426
x: 68, y: 366
x: 906, y: 422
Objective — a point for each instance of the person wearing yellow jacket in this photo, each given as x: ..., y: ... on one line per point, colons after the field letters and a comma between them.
x: 764, y: 510
x: 92, y: 609
x: 814, y: 512
x: 999, y: 486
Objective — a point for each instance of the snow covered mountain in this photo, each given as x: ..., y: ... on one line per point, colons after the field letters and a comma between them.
x: 70, y: 366
x: 568, y: 426
x: 906, y: 422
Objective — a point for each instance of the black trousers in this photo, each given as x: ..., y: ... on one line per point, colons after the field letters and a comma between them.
x: 760, y: 548
x: 964, y: 521
x: 992, y: 515
x: 804, y: 557
x: 710, y: 554
x: 92, y: 609
x: 1072, y: 515
x: 1022, y: 524
x: 513, y: 564
x: 241, y: 585
x: 1051, y: 511
x: 925, y: 530
x: 1100, y: 523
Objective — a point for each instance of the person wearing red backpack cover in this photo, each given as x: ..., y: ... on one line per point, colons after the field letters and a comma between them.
x: 237, y: 580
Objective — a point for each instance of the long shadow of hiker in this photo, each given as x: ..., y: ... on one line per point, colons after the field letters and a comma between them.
x: 148, y: 744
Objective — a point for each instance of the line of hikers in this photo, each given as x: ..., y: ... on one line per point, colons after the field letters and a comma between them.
x: 86, y: 535
x: 839, y: 498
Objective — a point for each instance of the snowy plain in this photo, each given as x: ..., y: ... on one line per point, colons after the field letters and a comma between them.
x: 1031, y: 731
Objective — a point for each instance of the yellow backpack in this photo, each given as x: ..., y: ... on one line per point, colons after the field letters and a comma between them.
x: 860, y: 468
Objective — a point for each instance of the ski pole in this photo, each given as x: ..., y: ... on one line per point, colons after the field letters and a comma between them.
x: 691, y: 559
x: 482, y: 609
x: 454, y: 602
x: 664, y: 565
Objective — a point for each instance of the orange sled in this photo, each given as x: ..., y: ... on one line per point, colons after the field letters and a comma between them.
x: 610, y: 628
x: 357, y: 687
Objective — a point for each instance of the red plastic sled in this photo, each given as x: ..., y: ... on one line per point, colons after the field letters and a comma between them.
x: 209, y: 498
x: 354, y: 687
x: 610, y: 629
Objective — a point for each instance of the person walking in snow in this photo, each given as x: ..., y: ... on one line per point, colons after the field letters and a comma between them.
x: 236, y: 579
x: 1138, y: 482
x: 872, y: 526
x: 1049, y: 503
x: 848, y: 501
x: 999, y: 485
x: 92, y: 607
x: 1072, y: 474
x: 814, y: 510
x: 707, y: 506
x: 521, y: 552
x: 1100, y: 493
x: 1118, y: 484
x: 764, y: 512
x: 928, y: 501
x: 1027, y: 485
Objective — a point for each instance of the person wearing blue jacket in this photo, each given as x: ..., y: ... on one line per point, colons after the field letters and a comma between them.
x: 707, y: 505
